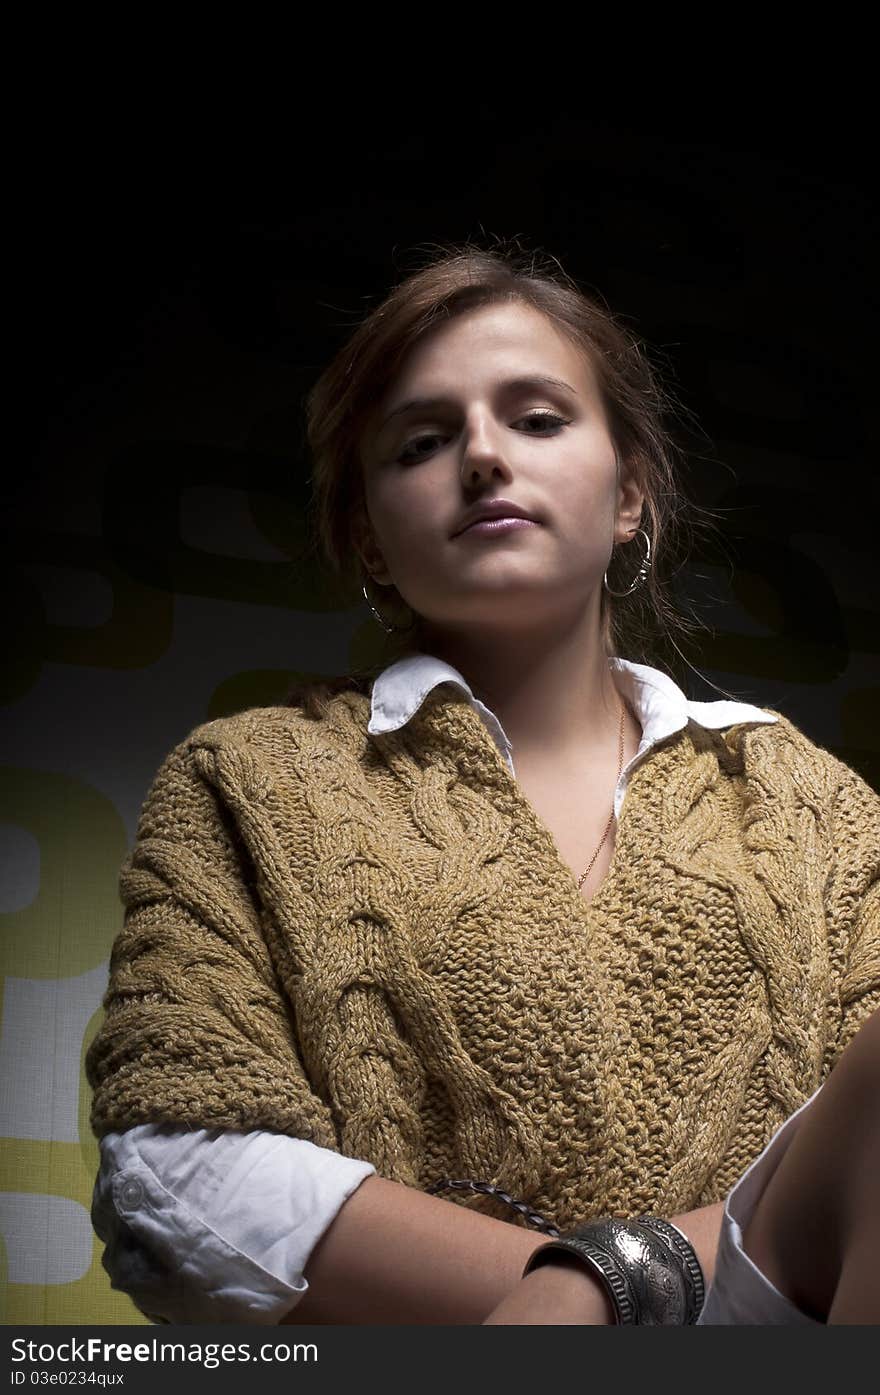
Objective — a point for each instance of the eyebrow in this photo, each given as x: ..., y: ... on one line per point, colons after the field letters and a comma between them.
x: 526, y: 380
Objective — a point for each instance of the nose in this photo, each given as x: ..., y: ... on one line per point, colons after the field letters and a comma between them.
x: 482, y: 456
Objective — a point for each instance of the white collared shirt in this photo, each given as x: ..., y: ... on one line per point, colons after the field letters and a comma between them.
x: 210, y: 1225
x: 660, y: 706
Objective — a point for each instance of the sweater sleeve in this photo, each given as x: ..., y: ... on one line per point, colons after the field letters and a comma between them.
x: 198, y: 1029
x: 852, y: 899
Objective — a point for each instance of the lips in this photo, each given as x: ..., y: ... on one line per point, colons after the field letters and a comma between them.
x: 491, y: 511
x: 491, y: 526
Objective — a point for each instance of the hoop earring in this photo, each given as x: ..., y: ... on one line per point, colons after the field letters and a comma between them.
x: 389, y: 629
x: 641, y: 574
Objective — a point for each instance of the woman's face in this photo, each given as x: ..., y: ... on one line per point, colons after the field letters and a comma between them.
x: 479, y: 432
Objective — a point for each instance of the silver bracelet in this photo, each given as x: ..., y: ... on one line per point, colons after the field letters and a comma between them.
x: 649, y: 1269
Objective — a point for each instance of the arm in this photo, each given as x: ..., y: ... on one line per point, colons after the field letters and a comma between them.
x: 195, y: 1020
x: 811, y: 1231
x: 397, y: 1256
x: 565, y: 1293
x: 852, y: 906
x: 198, y: 1035
x: 198, y: 1029
x: 815, y: 1231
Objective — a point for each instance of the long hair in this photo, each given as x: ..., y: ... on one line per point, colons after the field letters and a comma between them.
x: 340, y: 406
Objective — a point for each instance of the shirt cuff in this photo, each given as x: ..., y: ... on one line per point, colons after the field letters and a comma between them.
x: 214, y: 1226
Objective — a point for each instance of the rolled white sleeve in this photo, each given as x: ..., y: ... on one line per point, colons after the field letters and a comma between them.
x: 208, y: 1225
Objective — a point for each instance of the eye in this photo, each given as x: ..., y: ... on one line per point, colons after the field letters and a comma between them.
x: 545, y: 417
x: 407, y: 452
x: 550, y: 419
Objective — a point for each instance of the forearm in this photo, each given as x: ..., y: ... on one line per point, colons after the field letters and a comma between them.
x: 703, y: 1229
x: 394, y: 1255
x: 565, y: 1292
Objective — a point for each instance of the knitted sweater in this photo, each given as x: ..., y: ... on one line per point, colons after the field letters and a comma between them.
x: 371, y: 941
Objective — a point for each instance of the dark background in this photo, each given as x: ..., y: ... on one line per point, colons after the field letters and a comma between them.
x: 178, y: 309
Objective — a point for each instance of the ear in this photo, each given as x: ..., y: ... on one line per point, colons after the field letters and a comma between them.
x: 630, y: 502
x: 365, y: 544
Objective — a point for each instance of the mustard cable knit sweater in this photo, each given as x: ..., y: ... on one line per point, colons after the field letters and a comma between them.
x: 372, y: 942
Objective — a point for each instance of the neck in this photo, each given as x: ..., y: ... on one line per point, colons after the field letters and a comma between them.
x: 551, y: 689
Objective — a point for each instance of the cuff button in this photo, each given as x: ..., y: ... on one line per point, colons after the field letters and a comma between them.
x: 131, y: 1193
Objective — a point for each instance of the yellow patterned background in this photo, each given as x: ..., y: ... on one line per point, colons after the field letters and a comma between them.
x: 109, y: 671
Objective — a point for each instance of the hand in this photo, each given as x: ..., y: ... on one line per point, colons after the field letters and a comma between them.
x: 563, y: 1293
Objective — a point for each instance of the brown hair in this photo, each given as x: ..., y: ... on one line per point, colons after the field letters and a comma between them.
x: 342, y: 402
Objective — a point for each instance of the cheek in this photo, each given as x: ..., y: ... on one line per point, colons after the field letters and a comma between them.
x: 401, y: 520
x: 587, y: 501
x: 411, y: 504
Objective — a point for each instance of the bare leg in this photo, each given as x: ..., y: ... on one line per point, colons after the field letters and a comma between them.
x: 815, y: 1232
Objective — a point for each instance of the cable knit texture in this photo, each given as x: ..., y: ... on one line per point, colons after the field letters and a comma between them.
x: 373, y: 942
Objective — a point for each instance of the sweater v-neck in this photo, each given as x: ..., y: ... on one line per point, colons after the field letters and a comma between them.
x: 660, y: 707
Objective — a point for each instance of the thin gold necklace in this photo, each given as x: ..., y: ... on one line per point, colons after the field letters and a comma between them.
x: 611, y: 816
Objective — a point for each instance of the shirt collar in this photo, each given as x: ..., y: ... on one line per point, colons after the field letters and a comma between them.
x: 660, y: 706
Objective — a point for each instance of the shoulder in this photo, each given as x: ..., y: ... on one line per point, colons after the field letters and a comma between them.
x: 241, y: 754
x: 781, y: 750
x: 315, y: 717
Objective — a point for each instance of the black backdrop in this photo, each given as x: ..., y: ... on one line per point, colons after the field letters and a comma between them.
x: 178, y: 307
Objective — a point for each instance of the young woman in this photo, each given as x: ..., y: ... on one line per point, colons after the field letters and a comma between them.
x: 508, y: 910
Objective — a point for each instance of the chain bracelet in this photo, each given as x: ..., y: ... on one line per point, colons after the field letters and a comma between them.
x: 534, y: 1218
